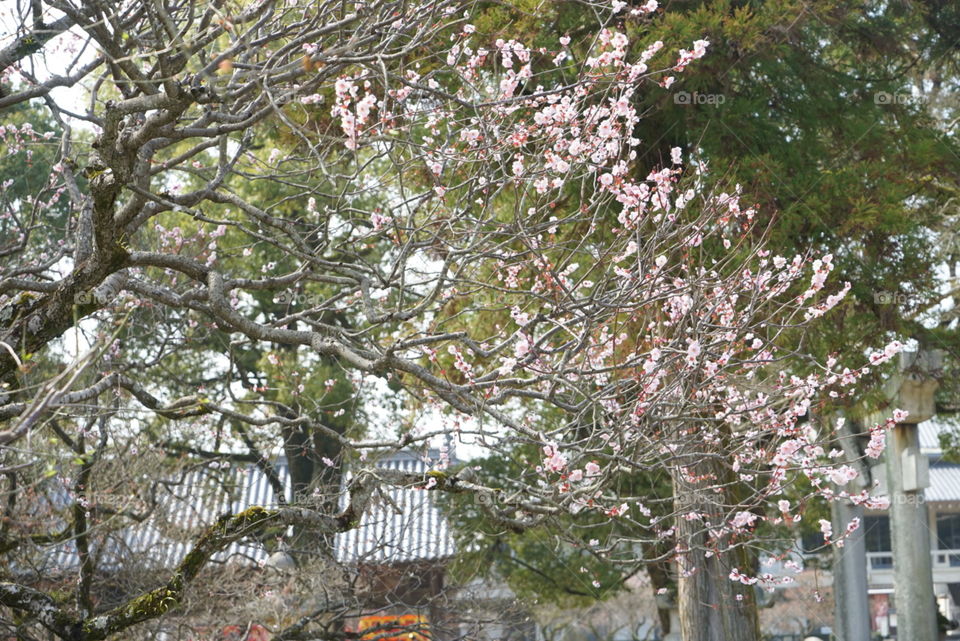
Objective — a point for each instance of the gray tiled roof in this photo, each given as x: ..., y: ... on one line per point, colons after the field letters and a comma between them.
x: 417, y: 532
x: 184, y: 508
x: 929, y: 432
x: 944, y: 483
x: 944, y: 477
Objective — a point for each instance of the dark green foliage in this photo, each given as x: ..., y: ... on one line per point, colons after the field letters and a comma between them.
x: 562, y: 559
x: 811, y: 108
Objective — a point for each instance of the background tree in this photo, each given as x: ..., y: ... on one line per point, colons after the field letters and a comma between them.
x: 443, y: 233
x: 833, y: 115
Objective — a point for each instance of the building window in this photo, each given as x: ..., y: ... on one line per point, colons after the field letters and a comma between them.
x: 948, y: 531
x: 876, y: 531
x: 812, y: 543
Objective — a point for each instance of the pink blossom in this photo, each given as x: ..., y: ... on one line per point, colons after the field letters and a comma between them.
x: 877, y: 442
x: 507, y: 367
x: 826, y: 528
x: 519, y: 317
x: 555, y: 461
x: 619, y: 41
x: 522, y: 347
x: 843, y: 475
x: 379, y: 221
x: 891, y: 350
x: 853, y: 525
x: 743, y: 519
x: 619, y: 510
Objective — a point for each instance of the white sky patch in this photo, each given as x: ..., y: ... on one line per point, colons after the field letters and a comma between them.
x: 61, y: 56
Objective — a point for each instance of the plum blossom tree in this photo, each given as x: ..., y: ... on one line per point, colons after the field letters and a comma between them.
x: 451, y: 226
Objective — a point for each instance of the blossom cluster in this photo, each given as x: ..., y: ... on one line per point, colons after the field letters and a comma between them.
x: 610, y: 302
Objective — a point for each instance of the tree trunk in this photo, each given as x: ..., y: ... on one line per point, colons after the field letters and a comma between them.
x: 712, y: 606
x: 305, y: 452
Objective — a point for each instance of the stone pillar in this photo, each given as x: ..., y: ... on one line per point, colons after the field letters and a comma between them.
x: 852, y: 615
x: 852, y: 611
x: 674, y: 634
x: 907, y: 476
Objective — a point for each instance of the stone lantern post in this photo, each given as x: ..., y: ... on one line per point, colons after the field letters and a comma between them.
x: 912, y: 389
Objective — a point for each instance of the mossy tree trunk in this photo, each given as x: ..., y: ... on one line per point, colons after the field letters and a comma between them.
x: 229, y: 528
x: 712, y: 607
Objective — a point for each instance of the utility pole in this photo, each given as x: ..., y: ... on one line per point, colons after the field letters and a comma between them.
x: 912, y: 389
x: 852, y: 613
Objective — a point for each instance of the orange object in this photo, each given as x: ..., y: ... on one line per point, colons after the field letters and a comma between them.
x: 396, y: 627
x: 254, y: 632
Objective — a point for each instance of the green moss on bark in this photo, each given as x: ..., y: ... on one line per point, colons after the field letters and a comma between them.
x: 225, y: 531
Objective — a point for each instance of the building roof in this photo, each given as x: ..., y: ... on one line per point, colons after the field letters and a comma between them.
x: 418, y: 531
x: 944, y: 483
x: 944, y: 476
x: 184, y: 507
x: 929, y: 432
